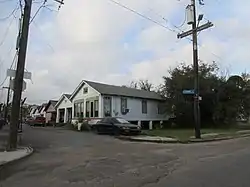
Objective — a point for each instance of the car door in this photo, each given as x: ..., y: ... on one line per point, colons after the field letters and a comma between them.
x: 110, y: 125
x: 103, y: 125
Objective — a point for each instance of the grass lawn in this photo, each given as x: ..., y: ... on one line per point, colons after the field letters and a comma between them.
x: 185, y: 134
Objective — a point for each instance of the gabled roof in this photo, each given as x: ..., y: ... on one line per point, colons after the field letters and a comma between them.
x: 62, y: 97
x: 51, y: 102
x: 41, y: 107
x: 107, y: 89
x: 67, y: 95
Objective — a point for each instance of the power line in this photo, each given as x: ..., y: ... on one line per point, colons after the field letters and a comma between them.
x: 5, y: 1
x: 12, y: 13
x: 48, y: 44
x: 43, y: 4
x: 141, y: 15
x: 13, y: 61
x: 6, y: 32
x: 182, y: 24
x: 149, y: 19
x: 2, y: 60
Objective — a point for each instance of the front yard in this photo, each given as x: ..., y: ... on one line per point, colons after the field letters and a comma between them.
x: 187, y: 134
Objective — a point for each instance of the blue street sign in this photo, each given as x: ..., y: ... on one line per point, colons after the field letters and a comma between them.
x: 188, y: 92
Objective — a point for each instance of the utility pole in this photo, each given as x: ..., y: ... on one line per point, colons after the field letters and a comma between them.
x: 191, y: 18
x: 18, y: 81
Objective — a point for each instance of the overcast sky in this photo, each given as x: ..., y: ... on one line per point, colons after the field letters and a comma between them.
x: 100, y: 41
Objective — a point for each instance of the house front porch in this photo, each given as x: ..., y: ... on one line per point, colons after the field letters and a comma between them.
x: 64, y: 115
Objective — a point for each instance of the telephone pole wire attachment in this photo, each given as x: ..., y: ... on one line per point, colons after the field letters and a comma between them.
x: 191, y: 20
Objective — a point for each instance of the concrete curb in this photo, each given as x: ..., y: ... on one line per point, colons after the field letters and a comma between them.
x: 29, y: 151
x: 128, y: 138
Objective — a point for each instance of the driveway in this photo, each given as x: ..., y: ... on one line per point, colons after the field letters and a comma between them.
x: 68, y: 158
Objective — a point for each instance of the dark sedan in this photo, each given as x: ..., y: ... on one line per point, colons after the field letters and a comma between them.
x: 113, y: 125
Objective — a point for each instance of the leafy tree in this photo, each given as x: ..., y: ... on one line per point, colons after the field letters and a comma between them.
x: 222, y: 100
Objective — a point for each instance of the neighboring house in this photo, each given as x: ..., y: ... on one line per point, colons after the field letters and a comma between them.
x: 32, y: 110
x: 50, y: 111
x: 42, y: 110
x: 36, y: 112
x: 97, y: 100
x: 63, y: 109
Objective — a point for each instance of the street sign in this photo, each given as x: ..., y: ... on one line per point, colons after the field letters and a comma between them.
x: 12, y: 73
x: 12, y: 85
x: 188, y: 92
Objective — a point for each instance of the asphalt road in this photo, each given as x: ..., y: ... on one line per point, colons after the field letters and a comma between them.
x: 72, y: 159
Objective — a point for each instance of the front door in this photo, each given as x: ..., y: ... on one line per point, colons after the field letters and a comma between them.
x: 92, y: 109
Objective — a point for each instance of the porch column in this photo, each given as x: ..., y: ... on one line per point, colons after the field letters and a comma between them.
x: 100, y: 109
x: 65, y: 116
x: 57, y: 115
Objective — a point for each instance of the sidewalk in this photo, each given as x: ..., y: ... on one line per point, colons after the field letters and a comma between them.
x: 11, y: 156
x: 7, y: 157
x: 204, y: 138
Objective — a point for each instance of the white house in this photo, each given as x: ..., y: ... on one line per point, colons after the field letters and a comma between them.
x: 97, y: 100
x: 32, y: 110
x: 64, y: 109
x: 35, y: 111
x: 42, y: 111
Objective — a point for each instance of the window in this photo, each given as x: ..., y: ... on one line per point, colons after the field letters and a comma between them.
x: 144, y: 106
x: 96, y: 107
x: 85, y: 90
x: 123, y: 105
x: 78, y: 109
x: 107, y: 106
x: 87, y: 109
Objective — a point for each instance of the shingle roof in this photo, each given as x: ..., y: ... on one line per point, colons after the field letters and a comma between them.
x: 51, y: 102
x: 41, y: 107
x: 123, y: 91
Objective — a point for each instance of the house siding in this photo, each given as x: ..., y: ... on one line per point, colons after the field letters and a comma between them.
x: 91, y: 95
x: 64, y: 104
x: 51, y: 109
x: 48, y: 115
x: 135, y: 107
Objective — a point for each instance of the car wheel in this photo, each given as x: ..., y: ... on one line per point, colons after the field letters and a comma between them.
x: 95, y: 130
x: 116, y: 131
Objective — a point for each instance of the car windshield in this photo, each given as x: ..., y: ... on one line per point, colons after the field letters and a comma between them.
x: 121, y: 120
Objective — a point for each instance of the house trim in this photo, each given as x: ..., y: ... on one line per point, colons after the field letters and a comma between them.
x: 61, y: 99
x: 143, y: 98
x: 80, y: 87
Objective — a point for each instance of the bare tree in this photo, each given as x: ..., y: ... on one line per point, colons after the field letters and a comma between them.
x: 144, y: 84
x: 134, y: 84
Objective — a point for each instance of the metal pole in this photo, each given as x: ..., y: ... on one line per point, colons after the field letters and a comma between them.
x: 196, y: 75
x: 18, y: 82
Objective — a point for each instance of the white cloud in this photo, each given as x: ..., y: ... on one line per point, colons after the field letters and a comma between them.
x: 90, y: 40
